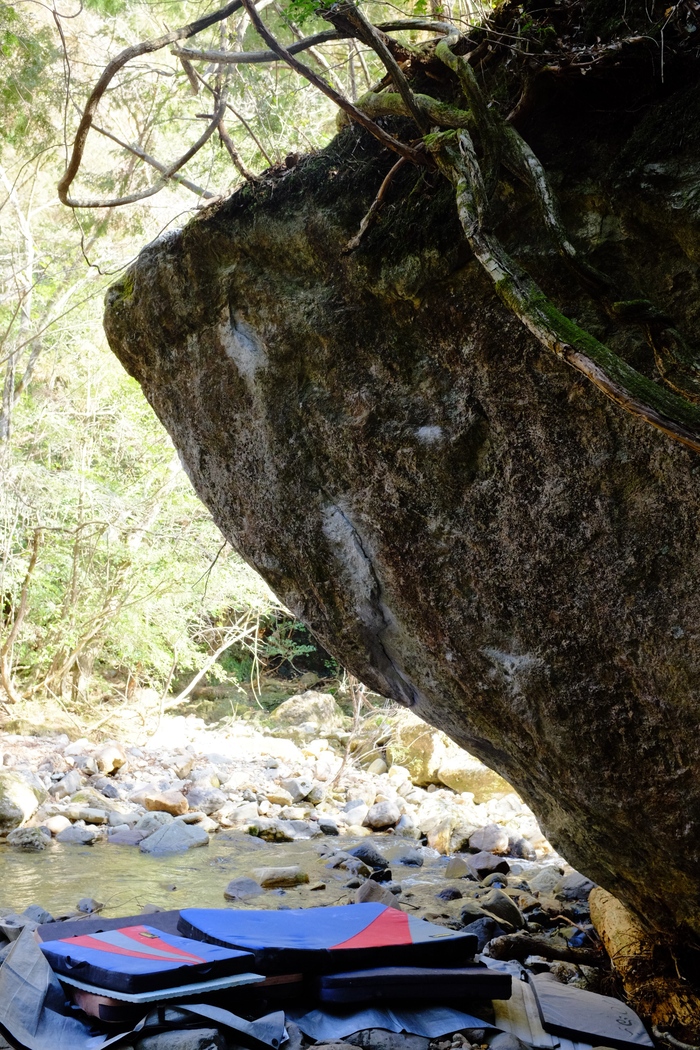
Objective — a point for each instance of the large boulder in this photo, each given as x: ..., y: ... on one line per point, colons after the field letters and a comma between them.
x: 310, y: 706
x: 465, y: 523
x: 419, y: 748
x: 19, y: 800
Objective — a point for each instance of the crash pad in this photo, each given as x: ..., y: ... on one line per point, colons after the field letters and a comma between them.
x: 36, y: 1015
x: 586, y: 1016
x: 398, y: 983
x: 329, y: 940
x: 135, y: 959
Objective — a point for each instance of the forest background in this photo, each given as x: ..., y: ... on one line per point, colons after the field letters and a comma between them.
x: 113, y: 577
x: 115, y: 583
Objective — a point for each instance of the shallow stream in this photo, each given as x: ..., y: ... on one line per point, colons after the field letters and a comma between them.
x: 126, y: 880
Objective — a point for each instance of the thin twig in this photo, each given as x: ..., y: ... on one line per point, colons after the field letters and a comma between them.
x: 371, y: 216
x: 162, y: 168
x: 233, y: 154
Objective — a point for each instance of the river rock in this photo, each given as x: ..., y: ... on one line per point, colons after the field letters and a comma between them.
x: 278, y: 796
x: 173, y: 802
x: 86, y: 814
x: 406, y: 827
x: 369, y: 855
x: 30, y: 840
x: 243, y: 889
x: 310, y: 706
x: 298, y: 787
x: 355, y: 812
x: 183, y: 1039
x: 150, y: 822
x: 382, y: 815
x: 417, y: 747
x: 206, y: 799
x: 18, y: 800
x: 235, y: 814
x: 483, y: 864
x: 67, y: 785
x: 175, y: 838
x: 545, y: 880
x: 375, y: 893
x: 87, y: 796
x: 328, y: 826
x: 38, y: 914
x: 280, y: 878
x: 574, y: 887
x: 484, y: 929
x: 271, y: 830
x: 12, y: 925
x: 450, y: 893
x: 110, y: 758
x: 304, y: 829
x: 463, y: 772
x: 89, y: 906
x: 470, y: 911
x: 501, y: 907
x: 410, y: 859
x: 76, y: 835
x: 127, y: 837
x: 456, y: 868
x: 491, y: 839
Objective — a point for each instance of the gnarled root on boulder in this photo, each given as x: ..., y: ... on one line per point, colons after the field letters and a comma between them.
x: 648, y: 968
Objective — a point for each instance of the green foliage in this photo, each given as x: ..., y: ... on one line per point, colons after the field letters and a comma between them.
x: 302, y: 11
x: 27, y: 51
x: 106, y: 7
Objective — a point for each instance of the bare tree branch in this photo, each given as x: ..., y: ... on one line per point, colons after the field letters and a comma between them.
x: 327, y: 36
x: 6, y: 650
x: 162, y: 168
x: 147, y: 47
x: 347, y: 16
x: 233, y: 154
x: 169, y: 172
x: 415, y: 156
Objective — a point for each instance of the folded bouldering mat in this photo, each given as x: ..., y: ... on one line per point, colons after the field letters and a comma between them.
x: 35, y: 1013
x: 586, y: 1016
x: 166, y: 921
x: 137, y: 959
x: 329, y: 940
x: 117, y: 1006
x: 396, y: 983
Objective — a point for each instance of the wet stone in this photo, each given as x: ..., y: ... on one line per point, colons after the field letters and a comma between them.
x: 369, y: 855
x: 483, y: 864
x: 243, y: 889
x: 450, y: 893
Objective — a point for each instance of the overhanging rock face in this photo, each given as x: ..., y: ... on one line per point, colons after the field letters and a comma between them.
x: 470, y: 528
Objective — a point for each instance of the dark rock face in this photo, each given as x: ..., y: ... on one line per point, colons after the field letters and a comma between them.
x: 464, y: 523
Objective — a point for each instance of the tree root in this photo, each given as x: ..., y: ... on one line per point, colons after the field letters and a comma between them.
x: 455, y: 156
x: 647, y: 970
